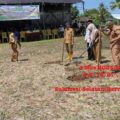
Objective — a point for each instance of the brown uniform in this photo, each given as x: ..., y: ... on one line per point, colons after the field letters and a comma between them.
x: 69, y: 39
x: 69, y: 35
x: 115, y: 44
x: 97, y: 46
x: 13, y: 42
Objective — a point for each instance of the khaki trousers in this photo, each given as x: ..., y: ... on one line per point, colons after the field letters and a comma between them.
x: 69, y: 48
x: 97, y: 51
x: 15, y: 52
x: 115, y: 50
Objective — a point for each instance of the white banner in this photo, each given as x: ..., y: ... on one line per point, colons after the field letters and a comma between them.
x: 19, y: 12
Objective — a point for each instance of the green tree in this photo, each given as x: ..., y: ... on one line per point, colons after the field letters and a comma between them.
x: 103, y: 13
x: 115, y: 4
x: 99, y: 15
x: 74, y: 12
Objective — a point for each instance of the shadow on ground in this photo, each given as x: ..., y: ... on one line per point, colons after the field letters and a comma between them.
x: 24, y: 60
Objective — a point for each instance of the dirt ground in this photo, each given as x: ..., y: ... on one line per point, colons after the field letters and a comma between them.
x: 27, y: 87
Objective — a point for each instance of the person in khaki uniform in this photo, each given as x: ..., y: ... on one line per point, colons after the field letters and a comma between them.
x: 97, y: 45
x: 114, y: 35
x: 115, y: 44
x: 13, y: 42
x: 69, y: 41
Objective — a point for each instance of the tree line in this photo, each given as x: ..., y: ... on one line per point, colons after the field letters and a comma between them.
x: 99, y: 15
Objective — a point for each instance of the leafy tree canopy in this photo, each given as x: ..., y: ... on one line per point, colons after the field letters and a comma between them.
x: 100, y: 15
x: 74, y: 12
x: 115, y: 4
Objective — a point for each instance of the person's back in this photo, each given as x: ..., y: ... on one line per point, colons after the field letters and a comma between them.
x: 13, y: 42
x: 61, y: 28
x: 17, y: 34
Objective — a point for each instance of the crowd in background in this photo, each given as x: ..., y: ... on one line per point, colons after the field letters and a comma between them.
x: 15, y: 34
x: 79, y: 29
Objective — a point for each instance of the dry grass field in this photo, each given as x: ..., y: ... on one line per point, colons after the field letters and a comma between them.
x: 27, y: 86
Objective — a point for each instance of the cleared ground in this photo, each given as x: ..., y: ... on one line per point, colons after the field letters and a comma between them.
x: 27, y: 87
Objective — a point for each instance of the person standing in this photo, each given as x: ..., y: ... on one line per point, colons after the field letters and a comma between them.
x: 97, y: 45
x: 89, y: 38
x: 17, y: 34
x: 114, y: 36
x: 61, y: 31
x: 13, y: 43
x: 69, y: 41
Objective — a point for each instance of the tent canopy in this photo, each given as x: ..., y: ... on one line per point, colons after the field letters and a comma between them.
x: 37, y: 1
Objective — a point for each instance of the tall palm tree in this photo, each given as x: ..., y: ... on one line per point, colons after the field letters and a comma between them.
x: 115, y: 4
x: 103, y: 12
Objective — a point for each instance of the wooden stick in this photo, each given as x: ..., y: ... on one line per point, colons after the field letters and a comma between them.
x: 63, y: 52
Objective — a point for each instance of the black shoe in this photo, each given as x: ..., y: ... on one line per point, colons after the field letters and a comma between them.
x: 88, y: 59
x: 92, y: 59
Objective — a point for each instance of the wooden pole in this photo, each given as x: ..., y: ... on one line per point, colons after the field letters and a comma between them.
x: 83, y: 6
x: 63, y: 52
x: 43, y: 16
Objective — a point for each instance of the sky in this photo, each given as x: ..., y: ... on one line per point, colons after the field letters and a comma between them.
x: 89, y: 4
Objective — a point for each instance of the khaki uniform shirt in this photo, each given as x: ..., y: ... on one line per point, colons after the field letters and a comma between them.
x: 69, y: 35
x: 116, y: 30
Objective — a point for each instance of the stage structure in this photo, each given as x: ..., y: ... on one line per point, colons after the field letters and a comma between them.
x: 51, y: 12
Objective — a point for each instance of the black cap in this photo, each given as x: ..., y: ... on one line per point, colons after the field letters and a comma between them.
x: 90, y: 20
